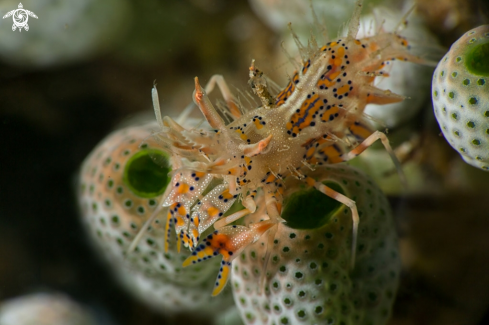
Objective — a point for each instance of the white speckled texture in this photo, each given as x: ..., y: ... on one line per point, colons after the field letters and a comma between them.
x: 44, y: 309
x: 309, y: 280
x: 405, y: 78
x: 64, y: 32
x: 113, y: 215
x: 461, y: 100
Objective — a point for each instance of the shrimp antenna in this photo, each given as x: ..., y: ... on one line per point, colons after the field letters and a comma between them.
x: 320, y: 27
x: 354, y: 24
x: 403, y: 22
x: 156, y: 105
x: 145, y: 228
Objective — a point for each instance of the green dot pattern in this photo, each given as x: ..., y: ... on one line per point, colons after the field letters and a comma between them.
x: 308, y: 278
x: 120, y: 188
x: 461, y: 103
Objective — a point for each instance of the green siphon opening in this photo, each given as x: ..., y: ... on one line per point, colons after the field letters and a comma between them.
x: 477, y: 61
x: 146, y: 173
x: 311, y: 209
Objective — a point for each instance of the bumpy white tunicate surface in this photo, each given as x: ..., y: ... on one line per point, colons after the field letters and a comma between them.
x: 460, y: 93
x: 64, y: 31
x: 278, y: 13
x: 114, y: 213
x: 405, y: 78
x: 44, y: 309
x: 308, y: 277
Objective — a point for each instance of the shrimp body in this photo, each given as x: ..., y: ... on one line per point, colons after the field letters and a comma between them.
x: 310, y: 123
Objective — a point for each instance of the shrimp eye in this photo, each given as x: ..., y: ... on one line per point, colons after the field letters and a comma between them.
x: 311, y: 209
x: 146, y: 173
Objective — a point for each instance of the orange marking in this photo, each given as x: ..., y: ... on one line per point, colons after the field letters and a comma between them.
x: 373, y: 47
x: 308, y: 142
x: 310, y: 181
x: 343, y: 89
x: 335, y: 160
x: 333, y: 154
x: 221, y: 241
x: 208, y: 251
x: 334, y: 74
x: 340, y: 51
x: 258, y: 124
x: 327, y: 114
x: 270, y: 178
x: 288, y: 90
x: 263, y: 226
x: 222, y: 281
x: 233, y: 171
x: 313, y: 161
x: 198, y: 91
x: 360, y: 131
x: 306, y: 66
x: 226, y: 194
x: 219, y: 162
x: 183, y: 188
x: 310, y: 152
x: 180, y: 146
x: 279, y: 207
x: 309, y: 108
x: 243, y: 137
x: 381, y: 100
x: 187, y: 241
x: 329, y: 79
x: 182, y: 211
x: 224, y: 253
x: 234, y: 110
x: 328, y: 139
x: 213, y: 211
x: 167, y: 230
x: 180, y: 222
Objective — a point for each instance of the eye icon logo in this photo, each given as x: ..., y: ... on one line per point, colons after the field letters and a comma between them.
x: 20, y: 17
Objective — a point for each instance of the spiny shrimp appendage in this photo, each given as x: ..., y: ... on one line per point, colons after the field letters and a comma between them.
x: 312, y: 122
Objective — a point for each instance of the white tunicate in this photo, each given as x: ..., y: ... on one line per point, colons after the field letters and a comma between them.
x: 405, y: 78
x: 461, y: 98
x: 65, y: 31
x: 278, y: 13
x: 44, y: 309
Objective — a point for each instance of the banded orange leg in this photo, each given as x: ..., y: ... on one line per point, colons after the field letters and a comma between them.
x: 346, y: 201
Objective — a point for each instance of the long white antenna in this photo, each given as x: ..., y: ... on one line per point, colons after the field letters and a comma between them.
x: 144, y: 228
x: 156, y: 105
x: 354, y: 23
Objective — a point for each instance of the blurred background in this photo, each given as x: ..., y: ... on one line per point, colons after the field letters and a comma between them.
x: 85, y: 66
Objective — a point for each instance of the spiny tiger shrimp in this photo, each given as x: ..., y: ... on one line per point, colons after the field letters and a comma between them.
x: 309, y: 124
